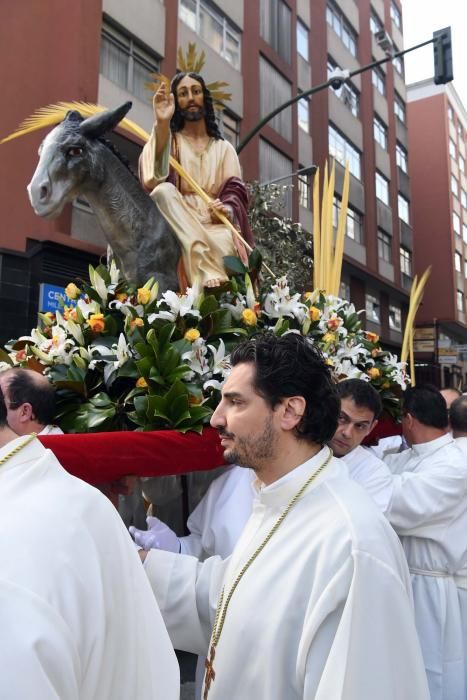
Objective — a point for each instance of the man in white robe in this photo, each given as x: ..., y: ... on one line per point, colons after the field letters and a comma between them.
x: 428, y: 509
x: 324, y: 610
x: 30, y: 401
x: 458, y: 421
x: 78, y: 620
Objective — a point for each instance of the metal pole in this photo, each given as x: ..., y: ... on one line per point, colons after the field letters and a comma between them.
x: 303, y: 171
x: 320, y: 87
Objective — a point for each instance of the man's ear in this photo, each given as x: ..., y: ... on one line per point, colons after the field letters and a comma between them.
x: 293, y: 410
x: 26, y: 413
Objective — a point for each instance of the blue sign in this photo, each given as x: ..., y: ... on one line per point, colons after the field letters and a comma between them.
x: 50, y: 296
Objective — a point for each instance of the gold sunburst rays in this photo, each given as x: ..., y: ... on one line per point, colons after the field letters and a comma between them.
x: 416, y: 296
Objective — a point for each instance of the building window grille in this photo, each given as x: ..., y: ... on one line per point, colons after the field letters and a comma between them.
x: 336, y: 19
x: 124, y: 61
x: 380, y: 133
x: 302, y: 40
x: 384, y: 246
x: 215, y: 29
x: 403, y: 209
x: 382, y: 188
x: 343, y: 151
x: 276, y: 26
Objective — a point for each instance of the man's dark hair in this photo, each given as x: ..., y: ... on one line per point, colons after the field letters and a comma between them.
x: 290, y: 365
x: 458, y: 414
x: 425, y: 403
x: 24, y: 387
x: 362, y: 394
x: 3, y: 420
x: 178, y: 120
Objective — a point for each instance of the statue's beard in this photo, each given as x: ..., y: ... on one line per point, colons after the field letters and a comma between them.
x: 193, y: 115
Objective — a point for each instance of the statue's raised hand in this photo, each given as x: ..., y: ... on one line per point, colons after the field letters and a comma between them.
x: 163, y: 104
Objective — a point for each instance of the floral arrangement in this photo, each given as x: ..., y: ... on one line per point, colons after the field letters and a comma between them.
x: 124, y: 359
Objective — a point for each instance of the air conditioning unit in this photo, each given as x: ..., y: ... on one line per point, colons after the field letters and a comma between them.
x: 384, y: 41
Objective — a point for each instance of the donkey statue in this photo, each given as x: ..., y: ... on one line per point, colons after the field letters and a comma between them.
x: 75, y: 160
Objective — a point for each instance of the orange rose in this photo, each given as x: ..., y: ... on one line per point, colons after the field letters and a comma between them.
x: 96, y: 323
x: 249, y: 317
x: 142, y: 383
x: 136, y: 323
x: 372, y: 337
x: 374, y: 373
x: 313, y: 312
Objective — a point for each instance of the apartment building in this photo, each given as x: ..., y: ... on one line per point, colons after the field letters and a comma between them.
x: 268, y: 51
x: 439, y: 210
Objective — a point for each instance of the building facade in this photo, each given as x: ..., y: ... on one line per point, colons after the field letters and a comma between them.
x: 268, y: 51
x: 439, y: 208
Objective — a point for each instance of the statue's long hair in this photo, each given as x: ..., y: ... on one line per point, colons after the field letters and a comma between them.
x: 178, y: 121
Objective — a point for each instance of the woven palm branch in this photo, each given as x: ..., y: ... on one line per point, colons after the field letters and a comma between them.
x: 191, y: 62
x: 54, y: 114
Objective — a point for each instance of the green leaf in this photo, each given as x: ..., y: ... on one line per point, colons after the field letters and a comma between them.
x: 208, y: 305
x: 234, y: 265
x: 100, y: 400
x: 255, y: 259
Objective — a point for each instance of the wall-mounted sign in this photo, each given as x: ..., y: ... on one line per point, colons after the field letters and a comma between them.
x: 49, y: 298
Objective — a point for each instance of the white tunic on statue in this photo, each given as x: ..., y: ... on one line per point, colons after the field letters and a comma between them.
x: 219, y: 518
x: 324, y: 611
x: 78, y: 620
x: 428, y: 510
x: 372, y: 474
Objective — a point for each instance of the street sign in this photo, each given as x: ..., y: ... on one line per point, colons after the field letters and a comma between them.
x: 424, y: 333
x: 461, y: 348
x: 423, y: 345
x: 447, y: 357
x: 49, y: 298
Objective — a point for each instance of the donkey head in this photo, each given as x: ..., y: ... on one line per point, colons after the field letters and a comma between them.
x: 69, y: 160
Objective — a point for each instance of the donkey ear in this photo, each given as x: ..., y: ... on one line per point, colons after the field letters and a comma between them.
x: 101, y: 123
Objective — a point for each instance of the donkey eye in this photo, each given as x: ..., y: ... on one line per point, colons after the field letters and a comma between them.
x: 74, y: 151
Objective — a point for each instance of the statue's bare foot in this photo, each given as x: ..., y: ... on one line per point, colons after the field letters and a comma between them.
x: 216, y: 282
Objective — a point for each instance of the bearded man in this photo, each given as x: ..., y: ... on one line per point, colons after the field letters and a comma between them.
x: 186, y: 128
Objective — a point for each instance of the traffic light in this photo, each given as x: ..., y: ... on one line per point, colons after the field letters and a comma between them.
x: 442, y: 53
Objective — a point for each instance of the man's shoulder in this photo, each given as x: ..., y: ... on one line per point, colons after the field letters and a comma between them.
x: 362, y: 456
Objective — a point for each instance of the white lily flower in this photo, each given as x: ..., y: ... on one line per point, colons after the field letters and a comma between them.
x: 220, y: 361
x: 88, y: 308
x: 279, y: 302
x: 123, y: 352
x: 98, y: 284
x: 212, y: 384
x: 196, y: 357
x: 75, y: 330
x: 237, y: 308
x: 179, y: 305
x: 114, y: 273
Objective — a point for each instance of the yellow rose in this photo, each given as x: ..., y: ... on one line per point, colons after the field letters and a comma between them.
x: 386, y: 385
x: 329, y: 337
x: 313, y: 312
x: 96, y: 323
x: 144, y: 295
x: 375, y: 352
x: 192, y: 334
x: 372, y: 337
x: 72, y: 291
x: 142, y: 383
x: 374, y: 373
x: 307, y: 295
x: 249, y: 317
x: 329, y: 362
x: 121, y: 296
x: 136, y: 323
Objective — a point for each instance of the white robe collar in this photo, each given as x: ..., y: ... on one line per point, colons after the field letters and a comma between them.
x: 425, y: 448
x: 32, y: 450
x: 281, y: 491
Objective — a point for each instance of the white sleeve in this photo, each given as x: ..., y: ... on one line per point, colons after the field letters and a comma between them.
x: 187, y: 592
x: 38, y: 656
x: 193, y: 543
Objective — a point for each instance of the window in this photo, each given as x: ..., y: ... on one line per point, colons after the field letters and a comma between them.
x: 379, y: 80
x: 399, y: 108
x: 347, y: 93
x: 376, y: 24
x: 401, y: 158
x: 125, y: 62
x: 395, y: 320
x: 344, y: 291
x: 353, y: 224
x: 458, y: 261
x: 460, y: 300
x: 276, y: 26
x: 464, y: 198
x: 452, y: 149
x: 303, y: 111
x: 343, y: 151
x: 465, y: 269
x: 384, y: 246
x: 231, y: 128
x: 342, y: 27
x: 450, y: 113
x: 274, y: 91
x: 456, y: 223
x: 372, y: 308
x: 396, y: 15
x: 398, y: 63
x: 213, y: 28
x: 454, y: 186
x: 464, y: 233
x: 403, y: 208
x: 461, y: 163
x: 460, y: 130
x: 304, y: 190
x: 406, y: 261
x: 382, y: 188
x: 302, y: 40
x: 274, y: 164
x: 380, y: 133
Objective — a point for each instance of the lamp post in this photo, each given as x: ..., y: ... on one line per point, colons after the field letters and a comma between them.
x: 309, y: 170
